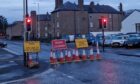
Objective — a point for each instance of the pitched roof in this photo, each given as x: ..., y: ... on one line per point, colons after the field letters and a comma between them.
x: 44, y: 17
x: 68, y: 6
x: 100, y: 9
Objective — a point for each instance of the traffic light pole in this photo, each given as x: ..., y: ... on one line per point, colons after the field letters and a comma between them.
x: 103, y: 38
x: 26, y: 34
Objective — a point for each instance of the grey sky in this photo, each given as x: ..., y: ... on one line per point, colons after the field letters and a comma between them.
x: 12, y: 9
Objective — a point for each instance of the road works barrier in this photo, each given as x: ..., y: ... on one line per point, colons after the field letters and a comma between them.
x: 68, y: 55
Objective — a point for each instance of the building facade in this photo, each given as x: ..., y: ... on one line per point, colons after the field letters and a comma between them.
x: 15, y: 30
x: 41, y: 25
x: 131, y: 23
x: 70, y: 18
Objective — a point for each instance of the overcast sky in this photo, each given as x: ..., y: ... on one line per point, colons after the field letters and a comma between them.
x: 13, y: 9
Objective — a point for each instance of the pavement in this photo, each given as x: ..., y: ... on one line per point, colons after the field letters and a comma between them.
x: 115, y: 68
x: 112, y: 69
x: 11, y: 67
x: 125, y: 52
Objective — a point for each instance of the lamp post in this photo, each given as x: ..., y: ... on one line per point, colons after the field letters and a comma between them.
x: 38, y: 23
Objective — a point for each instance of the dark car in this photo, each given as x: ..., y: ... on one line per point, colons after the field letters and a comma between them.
x: 90, y: 38
x: 3, y: 44
x: 132, y: 42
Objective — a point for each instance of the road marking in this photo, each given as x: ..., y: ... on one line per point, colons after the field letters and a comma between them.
x: 36, y: 75
x: 13, y: 52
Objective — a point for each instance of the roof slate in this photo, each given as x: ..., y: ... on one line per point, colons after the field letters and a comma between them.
x: 68, y: 6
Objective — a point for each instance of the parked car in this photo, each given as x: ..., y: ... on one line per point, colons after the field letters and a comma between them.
x: 107, y: 40
x: 132, y: 42
x: 118, y: 41
x: 65, y: 37
x: 3, y: 44
x: 90, y: 38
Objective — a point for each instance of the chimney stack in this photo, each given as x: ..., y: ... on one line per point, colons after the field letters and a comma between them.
x: 58, y: 3
x: 80, y: 4
x: 92, y: 4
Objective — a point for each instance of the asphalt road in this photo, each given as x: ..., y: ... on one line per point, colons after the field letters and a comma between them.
x: 112, y: 69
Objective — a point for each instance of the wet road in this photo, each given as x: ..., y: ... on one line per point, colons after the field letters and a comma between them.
x: 112, y: 69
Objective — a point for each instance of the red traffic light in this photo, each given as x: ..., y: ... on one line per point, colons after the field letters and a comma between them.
x: 104, y: 20
x: 28, y: 20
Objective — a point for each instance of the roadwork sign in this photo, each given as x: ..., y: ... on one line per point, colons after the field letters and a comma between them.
x: 59, y: 44
x: 81, y: 43
x: 32, y: 46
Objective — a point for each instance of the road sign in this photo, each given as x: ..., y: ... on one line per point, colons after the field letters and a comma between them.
x: 81, y: 43
x: 31, y: 46
x: 59, y: 44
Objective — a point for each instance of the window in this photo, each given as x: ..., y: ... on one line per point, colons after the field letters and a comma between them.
x: 46, y: 28
x: 57, y: 25
x: 138, y: 27
x: 46, y: 34
x: 91, y: 24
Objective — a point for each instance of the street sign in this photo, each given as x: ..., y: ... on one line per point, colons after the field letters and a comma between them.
x: 31, y: 46
x: 59, y: 44
x: 81, y: 43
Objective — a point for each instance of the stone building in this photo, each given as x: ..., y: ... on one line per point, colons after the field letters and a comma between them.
x: 70, y: 18
x: 15, y: 30
x: 40, y: 25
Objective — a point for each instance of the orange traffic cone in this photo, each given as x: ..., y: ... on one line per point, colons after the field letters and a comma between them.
x: 84, y: 57
x: 73, y: 54
x: 66, y: 55
x: 53, y: 59
x: 30, y: 60
x: 91, y: 56
x: 98, y: 56
x: 61, y: 60
x: 69, y: 59
x: 77, y: 59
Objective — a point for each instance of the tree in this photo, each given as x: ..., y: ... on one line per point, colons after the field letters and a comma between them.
x: 3, y: 25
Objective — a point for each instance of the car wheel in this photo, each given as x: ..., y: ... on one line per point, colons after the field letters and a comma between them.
x: 115, y: 44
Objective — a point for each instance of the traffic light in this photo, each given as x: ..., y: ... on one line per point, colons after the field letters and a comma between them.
x: 104, y: 20
x: 28, y: 24
x: 100, y: 23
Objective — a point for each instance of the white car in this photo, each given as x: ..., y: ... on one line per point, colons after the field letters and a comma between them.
x: 118, y: 41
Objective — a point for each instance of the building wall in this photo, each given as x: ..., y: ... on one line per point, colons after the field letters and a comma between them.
x: 113, y: 22
x: 70, y: 22
x: 128, y: 24
x: 16, y: 30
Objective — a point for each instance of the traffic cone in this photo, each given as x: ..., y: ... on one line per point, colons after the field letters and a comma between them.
x: 98, y: 56
x: 66, y: 55
x: 53, y: 59
x: 76, y: 59
x: 84, y: 57
x: 73, y: 54
x: 91, y: 56
x: 69, y: 59
x: 30, y: 61
x: 61, y: 60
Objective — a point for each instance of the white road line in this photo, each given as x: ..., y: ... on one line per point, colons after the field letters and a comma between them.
x: 13, y: 52
x: 46, y: 72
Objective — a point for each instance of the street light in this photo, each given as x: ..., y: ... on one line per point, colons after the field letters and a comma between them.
x: 38, y: 23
